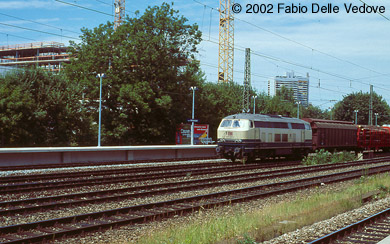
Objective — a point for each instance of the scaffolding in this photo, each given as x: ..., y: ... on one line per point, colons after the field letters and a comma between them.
x: 47, y: 55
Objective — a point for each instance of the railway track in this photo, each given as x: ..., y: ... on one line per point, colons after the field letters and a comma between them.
x: 45, y: 203
x: 370, y: 230
x: 91, y: 178
x: 116, y: 177
x: 185, y: 168
x: 73, y: 225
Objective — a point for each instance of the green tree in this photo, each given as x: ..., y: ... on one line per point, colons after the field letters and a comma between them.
x: 344, y: 110
x: 41, y: 109
x: 285, y: 94
x: 215, y: 101
x: 314, y: 112
x: 150, y: 65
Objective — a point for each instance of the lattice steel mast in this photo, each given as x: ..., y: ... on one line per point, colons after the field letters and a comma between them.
x: 119, y: 12
x: 247, y: 81
x: 226, y: 41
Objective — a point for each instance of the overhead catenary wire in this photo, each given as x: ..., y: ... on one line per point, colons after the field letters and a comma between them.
x: 93, y: 10
x: 44, y: 32
x: 21, y: 37
x: 308, y: 47
x: 90, y: 9
x: 256, y: 53
x: 36, y: 22
x: 377, y: 12
x: 268, y: 56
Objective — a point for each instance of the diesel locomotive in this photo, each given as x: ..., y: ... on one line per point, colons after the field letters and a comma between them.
x: 251, y: 136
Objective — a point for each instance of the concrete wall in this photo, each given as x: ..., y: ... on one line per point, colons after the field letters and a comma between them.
x: 33, y: 156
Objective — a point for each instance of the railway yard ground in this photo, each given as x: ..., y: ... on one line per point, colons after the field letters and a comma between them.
x: 208, y: 201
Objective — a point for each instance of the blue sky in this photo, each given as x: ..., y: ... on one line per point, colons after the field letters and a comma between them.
x: 343, y: 53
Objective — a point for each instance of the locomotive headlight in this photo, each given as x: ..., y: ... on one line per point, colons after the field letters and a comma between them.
x: 238, y: 141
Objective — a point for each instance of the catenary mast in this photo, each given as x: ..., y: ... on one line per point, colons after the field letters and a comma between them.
x: 119, y: 12
x: 247, y: 81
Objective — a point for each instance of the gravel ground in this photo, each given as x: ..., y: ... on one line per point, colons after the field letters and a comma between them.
x: 325, y: 227
x: 58, y: 213
x: 104, y: 167
x: 130, y: 234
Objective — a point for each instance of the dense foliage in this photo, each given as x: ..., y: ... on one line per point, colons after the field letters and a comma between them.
x: 41, y: 109
x: 344, y: 110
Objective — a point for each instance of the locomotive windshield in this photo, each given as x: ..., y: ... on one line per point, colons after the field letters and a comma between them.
x: 236, y: 124
x: 226, y: 123
x: 231, y: 123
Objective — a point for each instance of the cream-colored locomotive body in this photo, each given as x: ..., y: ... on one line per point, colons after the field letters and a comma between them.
x: 251, y: 136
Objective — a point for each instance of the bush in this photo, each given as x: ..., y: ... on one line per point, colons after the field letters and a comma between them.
x: 324, y: 157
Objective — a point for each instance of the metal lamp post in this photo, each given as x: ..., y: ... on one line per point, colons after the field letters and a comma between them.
x: 331, y: 112
x: 356, y: 111
x: 193, y: 88
x: 376, y: 118
x: 298, y: 108
x: 101, y: 76
x: 254, y: 104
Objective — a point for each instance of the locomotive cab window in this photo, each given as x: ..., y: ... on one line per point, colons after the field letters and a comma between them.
x: 236, y: 124
x: 226, y: 123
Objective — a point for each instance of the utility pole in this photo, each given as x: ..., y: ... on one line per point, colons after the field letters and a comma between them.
x: 356, y: 112
x: 226, y: 41
x: 193, y: 88
x: 100, y: 76
x: 247, y: 81
x: 299, y: 103
x: 370, y: 111
x: 254, y: 104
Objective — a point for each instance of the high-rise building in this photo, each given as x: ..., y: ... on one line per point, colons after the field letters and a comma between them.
x: 298, y: 84
x: 48, y: 55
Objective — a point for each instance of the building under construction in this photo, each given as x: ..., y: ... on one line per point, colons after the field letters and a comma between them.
x: 47, y: 55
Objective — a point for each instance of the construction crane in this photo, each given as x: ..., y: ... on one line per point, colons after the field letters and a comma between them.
x: 119, y: 12
x: 226, y: 41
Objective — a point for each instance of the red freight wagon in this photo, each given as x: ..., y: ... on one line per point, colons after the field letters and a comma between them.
x: 373, y: 137
x: 387, y: 138
x: 333, y: 134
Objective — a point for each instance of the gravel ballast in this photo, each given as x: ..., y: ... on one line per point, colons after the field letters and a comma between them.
x: 130, y: 234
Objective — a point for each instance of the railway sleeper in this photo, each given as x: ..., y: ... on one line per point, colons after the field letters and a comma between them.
x: 364, y: 237
x: 377, y: 233
x: 46, y: 230
x: 29, y: 234
x: 10, y: 237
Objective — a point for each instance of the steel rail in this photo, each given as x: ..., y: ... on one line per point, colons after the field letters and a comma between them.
x: 31, y: 177
x: 51, y: 202
x: 29, y: 187
x: 336, y: 235
x: 146, y: 212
